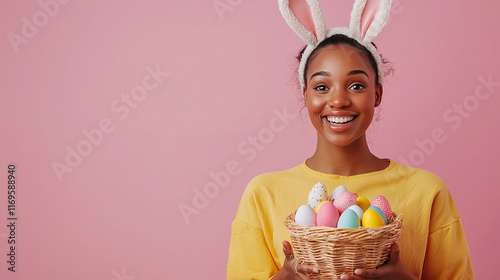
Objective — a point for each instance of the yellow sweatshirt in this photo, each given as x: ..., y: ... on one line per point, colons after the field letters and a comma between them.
x: 432, y: 243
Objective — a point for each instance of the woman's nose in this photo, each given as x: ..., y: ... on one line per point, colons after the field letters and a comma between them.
x: 338, y: 99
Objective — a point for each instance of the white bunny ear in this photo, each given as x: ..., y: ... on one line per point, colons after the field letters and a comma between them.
x: 368, y: 17
x: 305, y: 18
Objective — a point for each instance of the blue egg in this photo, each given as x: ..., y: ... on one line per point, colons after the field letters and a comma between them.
x: 380, y: 212
x: 349, y: 219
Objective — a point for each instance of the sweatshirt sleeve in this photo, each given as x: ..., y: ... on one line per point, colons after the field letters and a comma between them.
x: 447, y: 255
x: 249, y: 257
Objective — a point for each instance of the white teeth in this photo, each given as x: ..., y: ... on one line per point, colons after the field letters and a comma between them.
x: 340, y: 120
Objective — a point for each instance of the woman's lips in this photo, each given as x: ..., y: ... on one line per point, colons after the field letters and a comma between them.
x: 340, y: 119
x: 339, y: 123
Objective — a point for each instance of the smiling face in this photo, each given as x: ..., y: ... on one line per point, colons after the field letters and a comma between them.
x: 341, y: 94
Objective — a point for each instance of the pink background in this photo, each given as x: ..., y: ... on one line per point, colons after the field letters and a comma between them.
x: 117, y: 215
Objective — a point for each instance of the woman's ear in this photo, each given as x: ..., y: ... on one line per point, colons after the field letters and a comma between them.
x: 378, y: 94
x: 304, y: 96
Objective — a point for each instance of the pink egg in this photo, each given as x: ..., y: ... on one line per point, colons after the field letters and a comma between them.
x: 382, y: 203
x: 344, y: 200
x: 327, y: 215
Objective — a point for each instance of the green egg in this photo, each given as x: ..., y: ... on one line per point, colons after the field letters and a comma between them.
x: 348, y: 219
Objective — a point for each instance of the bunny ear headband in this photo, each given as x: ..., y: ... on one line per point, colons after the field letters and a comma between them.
x: 368, y: 17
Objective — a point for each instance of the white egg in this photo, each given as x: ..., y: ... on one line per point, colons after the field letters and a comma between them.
x: 318, y: 194
x: 358, y: 210
x: 337, y: 191
x: 305, y: 216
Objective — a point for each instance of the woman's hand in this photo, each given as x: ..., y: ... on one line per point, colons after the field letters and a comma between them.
x: 291, y: 268
x: 392, y: 269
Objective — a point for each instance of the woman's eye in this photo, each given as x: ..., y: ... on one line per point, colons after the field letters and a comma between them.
x: 320, y: 88
x: 357, y: 87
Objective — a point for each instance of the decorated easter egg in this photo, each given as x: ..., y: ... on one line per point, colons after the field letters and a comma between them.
x: 349, y: 219
x: 305, y: 216
x: 327, y: 215
x: 363, y: 202
x: 337, y: 191
x: 381, y: 213
x: 372, y: 219
x: 356, y: 209
x: 318, y: 194
x: 382, y: 203
x: 344, y: 200
x: 319, y: 205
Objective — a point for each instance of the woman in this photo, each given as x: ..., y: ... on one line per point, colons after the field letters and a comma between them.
x: 341, y: 89
x: 340, y: 95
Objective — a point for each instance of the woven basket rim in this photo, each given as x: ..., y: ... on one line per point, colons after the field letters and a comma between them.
x: 295, y: 229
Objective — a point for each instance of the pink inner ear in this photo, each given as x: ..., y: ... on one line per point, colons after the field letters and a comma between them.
x: 302, y: 12
x: 368, y: 15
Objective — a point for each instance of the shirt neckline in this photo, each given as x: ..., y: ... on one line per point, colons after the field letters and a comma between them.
x: 313, y: 172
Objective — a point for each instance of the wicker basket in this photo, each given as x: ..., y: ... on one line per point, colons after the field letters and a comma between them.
x: 337, y: 251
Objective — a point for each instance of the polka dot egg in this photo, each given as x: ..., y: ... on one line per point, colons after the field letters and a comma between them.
x: 382, y: 203
x: 345, y: 200
x: 318, y: 194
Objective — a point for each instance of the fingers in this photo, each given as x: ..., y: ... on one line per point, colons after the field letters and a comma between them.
x: 287, y: 249
x: 294, y: 267
x: 307, y: 269
x: 361, y: 274
x: 303, y: 271
x: 367, y: 273
x: 394, y: 253
x: 302, y: 268
x: 351, y: 277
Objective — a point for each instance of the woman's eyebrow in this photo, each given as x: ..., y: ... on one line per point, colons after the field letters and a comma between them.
x: 327, y: 74
x: 354, y: 72
x: 320, y: 73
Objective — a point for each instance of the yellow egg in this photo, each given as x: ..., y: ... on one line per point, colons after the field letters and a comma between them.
x: 363, y: 202
x: 372, y: 219
x: 319, y: 205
